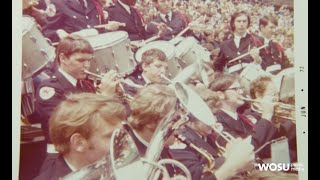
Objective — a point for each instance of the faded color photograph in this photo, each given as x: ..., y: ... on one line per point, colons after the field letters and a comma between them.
x: 159, y: 89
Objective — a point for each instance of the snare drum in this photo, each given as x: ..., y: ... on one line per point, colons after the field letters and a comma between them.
x: 189, y: 50
x: 36, y: 50
x: 169, y: 49
x: 112, y: 51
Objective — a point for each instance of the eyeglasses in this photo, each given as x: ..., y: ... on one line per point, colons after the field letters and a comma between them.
x: 235, y: 88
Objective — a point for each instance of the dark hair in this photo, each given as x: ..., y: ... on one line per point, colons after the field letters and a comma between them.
x: 237, y: 14
x: 73, y: 44
x: 266, y: 19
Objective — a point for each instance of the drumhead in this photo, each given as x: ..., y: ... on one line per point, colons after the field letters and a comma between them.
x: 107, y: 39
x: 27, y: 23
x: 184, y: 46
x: 164, y: 46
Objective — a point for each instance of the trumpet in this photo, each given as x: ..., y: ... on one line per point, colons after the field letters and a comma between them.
x: 281, y: 110
x: 123, y: 93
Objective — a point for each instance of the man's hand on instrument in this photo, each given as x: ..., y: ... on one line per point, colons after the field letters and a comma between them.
x: 108, y: 84
x: 111, y: 25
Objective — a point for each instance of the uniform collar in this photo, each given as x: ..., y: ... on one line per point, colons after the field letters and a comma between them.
x: 126, y: 7
x: 69, y: 165
x: 71, y: 79
x: 231, y: 114
x: 163, y: 16
x: 239, y: 37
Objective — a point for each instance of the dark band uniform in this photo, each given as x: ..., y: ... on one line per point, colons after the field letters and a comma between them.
x: 142, y: 148
x: 134, y: 24
x: 262, y: 130
x: 273, y: 54
x: 177, y: 23
x: 134, y: 82
x: 54, y: 168
x: 71, y: 16
x: 229, y: 51
x: 51, y: 92
x: 192, y: 159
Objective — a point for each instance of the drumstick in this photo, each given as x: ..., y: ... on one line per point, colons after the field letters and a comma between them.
x: 245, y: 54
x: 158, y: 24
x: 105, y: 25
x: 147, y: 41
x: 187, y: 28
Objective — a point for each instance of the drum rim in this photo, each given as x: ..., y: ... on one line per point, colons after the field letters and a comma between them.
x: 151, y: 45
x: 184, y: 51
x: 36, y: 72
x: 117, y: 41
x: 30, y: 25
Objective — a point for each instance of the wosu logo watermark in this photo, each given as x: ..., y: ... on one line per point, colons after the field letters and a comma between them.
x: 279, y: 166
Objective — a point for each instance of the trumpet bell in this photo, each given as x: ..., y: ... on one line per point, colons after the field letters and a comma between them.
x: 192, y: 101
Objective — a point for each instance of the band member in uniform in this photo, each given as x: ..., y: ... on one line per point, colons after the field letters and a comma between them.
x: 72, y: 16
x: 174, y: 22
x: 153, y: 64
x: 148, y: 108
x: 201, y: 135
x: 73, y: 55
x: 244, y: 123
x: 124, y: 11
x: 242, y: 42
x: 273, y: 56
x: 264, y: 88
x: 81, y: 129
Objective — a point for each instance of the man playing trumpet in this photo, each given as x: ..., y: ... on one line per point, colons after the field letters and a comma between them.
x: 73, y: 56
x: 239, y: 124
x: 153, y: 65
x: 263, y: 89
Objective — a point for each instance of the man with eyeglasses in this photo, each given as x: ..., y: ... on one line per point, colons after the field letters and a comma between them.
x: 259, y: 126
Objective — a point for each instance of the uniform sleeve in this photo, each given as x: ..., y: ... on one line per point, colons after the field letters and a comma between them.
x: 191, y: 161
x: 47, y: 98
x: 220, y: 62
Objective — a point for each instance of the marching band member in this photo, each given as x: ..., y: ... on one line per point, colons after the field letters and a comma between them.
x: 273, y: 56
x: 174, y: 22
x: 240, y: 124
x: 202, y: 136
x: 153, y: 64
x: 124, y: 11
x: 81, y: 129
x: 148, y: 108
x: 264, y: 88
x: 241, y: 43
x: 73, y: 55
x: 72, y: 16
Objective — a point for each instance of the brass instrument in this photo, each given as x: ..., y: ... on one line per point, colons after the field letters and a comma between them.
x: 281, y: 110
x: 123, y: 93
x: 210, y: 159
x: 186, y: 95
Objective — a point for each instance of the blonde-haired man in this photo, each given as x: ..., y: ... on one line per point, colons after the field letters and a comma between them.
x: 80, y: 129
